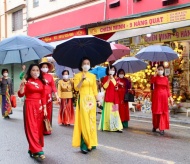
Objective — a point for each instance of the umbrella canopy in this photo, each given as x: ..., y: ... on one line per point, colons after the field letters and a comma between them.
x: 59, y: 69
x: 70, y: 52
x: 99, y: 72
x: 156, y: 53
x: 20, y: 49
x: 119, y: 51
x: 130, y: 64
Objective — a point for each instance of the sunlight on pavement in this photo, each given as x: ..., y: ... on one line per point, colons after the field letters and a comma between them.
x: 138, y: 155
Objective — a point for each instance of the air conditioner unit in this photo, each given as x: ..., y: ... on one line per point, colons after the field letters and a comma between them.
x: 137, y: 0
x: 114, y: 4
x: 168, y: 2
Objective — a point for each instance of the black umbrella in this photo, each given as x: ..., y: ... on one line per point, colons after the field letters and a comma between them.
x: 71, y: 51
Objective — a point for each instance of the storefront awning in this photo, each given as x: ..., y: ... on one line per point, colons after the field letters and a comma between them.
x: 147, y: 30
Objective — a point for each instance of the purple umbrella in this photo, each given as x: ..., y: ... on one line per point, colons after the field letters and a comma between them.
x: 157, y: 53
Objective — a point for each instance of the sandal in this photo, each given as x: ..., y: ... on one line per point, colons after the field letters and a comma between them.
x: 39, y: 155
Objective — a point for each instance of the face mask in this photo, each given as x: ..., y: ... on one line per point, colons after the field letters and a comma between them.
x: 160, y: 72
x: 36, y: 75
x: 121, y: 76
x: 45, y: 70
x: 5, y: 74
x: 111, y: 72
x: 65, y: 77
x: 86, y: 67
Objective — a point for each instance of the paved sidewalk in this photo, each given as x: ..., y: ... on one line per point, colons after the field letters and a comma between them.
x: 178, y: 118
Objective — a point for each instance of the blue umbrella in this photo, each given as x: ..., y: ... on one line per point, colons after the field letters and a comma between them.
x: 156, y: 53
x: 130, y: 64
x: 20, y: 49
x: 70, y: 52
x: 99, y: 72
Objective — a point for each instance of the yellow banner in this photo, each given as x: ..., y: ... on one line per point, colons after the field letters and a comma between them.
x: 167, y: 36
x: 169, y: 17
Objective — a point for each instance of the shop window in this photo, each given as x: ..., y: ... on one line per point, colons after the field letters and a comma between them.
x: 17, y: 20
x: 35, y: 3
x: 168, y: 2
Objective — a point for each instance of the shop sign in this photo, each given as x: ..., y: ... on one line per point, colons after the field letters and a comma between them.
x: 64, y: 36
x: 169, y: 17
x: 167, y: 36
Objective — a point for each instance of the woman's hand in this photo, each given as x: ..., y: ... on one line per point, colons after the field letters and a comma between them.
x: 171, y: 101
x: 98, y: 103
x: 58, y: 99
x: 83, y: 77
x: 23, y: 83
x: 23, y: 68
x: 45, y: 111
x: 110, y: 77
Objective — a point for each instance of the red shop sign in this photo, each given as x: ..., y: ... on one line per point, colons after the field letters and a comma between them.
x: 64, y: 36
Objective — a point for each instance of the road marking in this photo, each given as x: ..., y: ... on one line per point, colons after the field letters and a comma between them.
x: 138, y: 155
x: 179, y: 126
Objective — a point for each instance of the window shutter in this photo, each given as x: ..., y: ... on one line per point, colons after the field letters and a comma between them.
x: 17, y: 20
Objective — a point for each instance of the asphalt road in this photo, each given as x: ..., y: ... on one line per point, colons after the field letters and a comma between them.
x: 136, y: 145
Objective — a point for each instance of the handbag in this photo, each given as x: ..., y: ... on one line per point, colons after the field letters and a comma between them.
x: 129, y: 97
x: 13, y: 101
x: 47, y: 124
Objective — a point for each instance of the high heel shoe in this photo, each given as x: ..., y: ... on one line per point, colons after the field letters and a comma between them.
x: 162, y: 132
x: 154, y: 130
x: 84, y: 151
x: 30, y: 153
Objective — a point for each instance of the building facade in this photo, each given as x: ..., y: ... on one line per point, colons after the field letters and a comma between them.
x: 13, y: 21
x: 124, y: 21
x: 168, y: 25
x: 12, y: 18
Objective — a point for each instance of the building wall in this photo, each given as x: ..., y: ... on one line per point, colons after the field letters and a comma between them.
x: 149, y: 5
x: 6, y: 31
x: 6, y: 18
x: 84, y: 14
x: 67, y: 20
x: 128, y: 7
x: 2, y: 20
x: 47, y: 6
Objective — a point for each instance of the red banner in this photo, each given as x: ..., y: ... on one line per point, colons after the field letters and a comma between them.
x: 64, y: 36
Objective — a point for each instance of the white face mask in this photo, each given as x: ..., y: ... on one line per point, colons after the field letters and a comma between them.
x: 121, y: 76
x: 111, y: 72
x: 86, y: 67
x: 45, y: 70
x: 36, y: 75
x: 160, y: 73
x: 65, y: 77
x: 5, y: 74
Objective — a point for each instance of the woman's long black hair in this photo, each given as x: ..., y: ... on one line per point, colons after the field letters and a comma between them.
x: 28, y: 75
